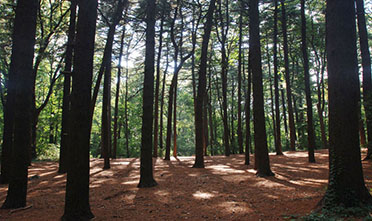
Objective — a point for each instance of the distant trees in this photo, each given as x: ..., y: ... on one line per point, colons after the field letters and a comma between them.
x: 77, y: 188
x: 346, y: 187
x: 19, y: 102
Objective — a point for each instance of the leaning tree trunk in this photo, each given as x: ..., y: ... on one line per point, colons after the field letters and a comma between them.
x: 199, y: 156
x: 260, y: 139
x: 21, y: 75
x: 309, y: 103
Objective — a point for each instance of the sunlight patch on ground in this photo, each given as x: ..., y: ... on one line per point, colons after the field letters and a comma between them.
x: 234, y: 207
x: 130, y: 182
x: 268, y: 184
x: 202, y: 195
x: 225, y: 169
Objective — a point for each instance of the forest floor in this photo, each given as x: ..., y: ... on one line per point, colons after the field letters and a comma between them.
x: 225, y: 190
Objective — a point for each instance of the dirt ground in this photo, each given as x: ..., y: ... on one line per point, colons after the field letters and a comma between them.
x: 225, y: 190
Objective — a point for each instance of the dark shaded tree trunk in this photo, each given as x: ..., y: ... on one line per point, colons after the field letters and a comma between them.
x: 260, y: 139
x: 106, y: 100
x: 146, y: 168
x: 346, y: 187
x: 117, y: 95
x: 64, y: 149
x: 199, y: 156
x: 278, y: 142
x: 239, y: 132
x: 366, y: 65
x: 77, y: 189
x: 157, y: 86
x: 248, y: 116
x: 309, y: 103
x: 20, y: 80
x: 291, y: 123
x: 224, y: 63
x: 162, y: 101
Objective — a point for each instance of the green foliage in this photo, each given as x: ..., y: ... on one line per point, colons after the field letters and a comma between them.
x: 48, y: 152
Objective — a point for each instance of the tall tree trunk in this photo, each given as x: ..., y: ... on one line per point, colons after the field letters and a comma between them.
x: 366, y: 65
x: 157, y: 85
x: 260, y: 139
x: 248, y: 115
x: 309, y: 103
x: 199, y: 156
x: 77, y: 186
x: 117, y: 95
x: 146, y: 168
x: 162, y: 100
x: 278, y: 142
x: 292, y: 129
x: 64, y: 149
x: 20, y: 78
x: 284, y: 115
x: 346, y: 187
x: 239, y: 132
x: 232, y: 117
x: 126, y: 117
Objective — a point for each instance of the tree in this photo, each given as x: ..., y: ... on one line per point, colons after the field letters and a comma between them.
x: 20, y: 81
x: 260, y: 139
x: 292, y: 129
x: 77, y: 188
x: 199, y: 133
x: 346, y: 187
x: 63, y: 159
x: 146, y: 170
x: 278, y: 142
x: 309, y: 108
x: 366, y: 65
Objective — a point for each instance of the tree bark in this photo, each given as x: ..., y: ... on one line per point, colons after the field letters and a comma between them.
x: 64, y: 149
x: 239, y: 132
x: 146, y: 168
x: 278, y: 142
x: 366, y: 65
x: 309, y: 103
x: 157, y: 85
x: 346, y: 187
x: 21, y: 75
x: 117, y: 95
x: 292, y: 129
x: 260, y: 139
x: 199, y: 156
x: 77, y: 189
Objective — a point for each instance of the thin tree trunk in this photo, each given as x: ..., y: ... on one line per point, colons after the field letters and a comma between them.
x: 117, y: 95
x: 64, y: 149
x: 157, y: 85
x: 278, y: 142
x: 366, y: 65
x: 292, y: 129
x: 239, y: 132
x: 248, y: 115
x: 309, y: 104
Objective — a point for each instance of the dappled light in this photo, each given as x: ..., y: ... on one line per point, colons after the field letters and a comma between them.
x: 226, y: 189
